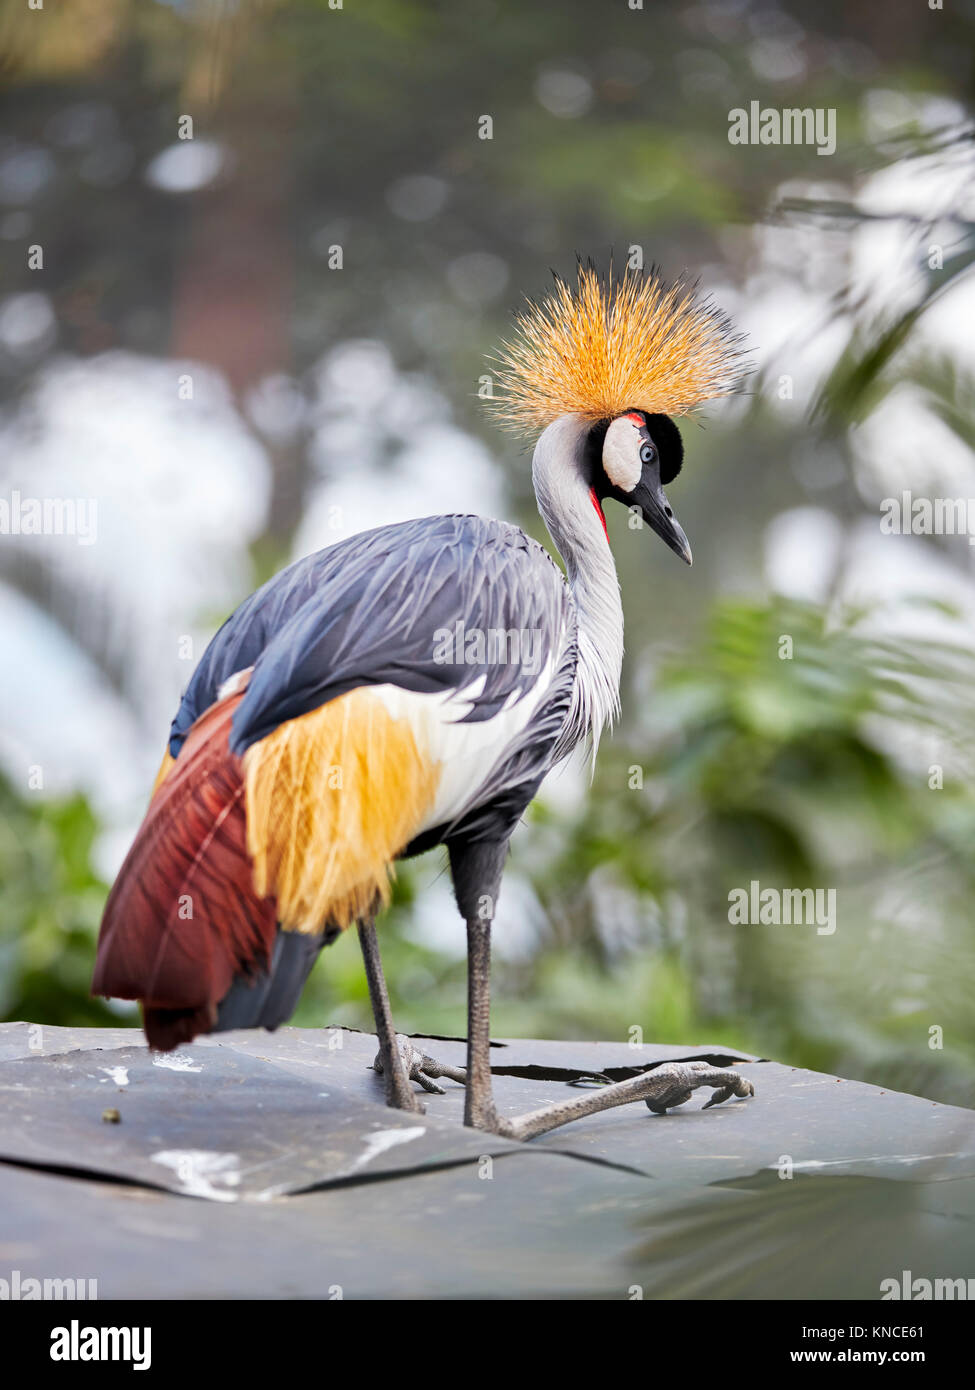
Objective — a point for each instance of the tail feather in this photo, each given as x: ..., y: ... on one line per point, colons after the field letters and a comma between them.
x: 270, y: 1000
x: 183, y: 919
x: 299, y: 833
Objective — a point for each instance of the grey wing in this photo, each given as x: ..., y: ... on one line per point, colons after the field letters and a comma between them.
x: 458, y: 606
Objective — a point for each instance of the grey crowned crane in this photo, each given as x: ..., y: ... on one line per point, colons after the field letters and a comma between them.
x: 408, y: 687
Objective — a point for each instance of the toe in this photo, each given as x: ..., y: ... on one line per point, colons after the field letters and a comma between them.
x: 416, y: 1074
x: 661, y: 1104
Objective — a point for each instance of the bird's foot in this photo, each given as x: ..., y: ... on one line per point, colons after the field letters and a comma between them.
x: 673, y: 1084
x: 421, y: 1068
x: 661, y: 1089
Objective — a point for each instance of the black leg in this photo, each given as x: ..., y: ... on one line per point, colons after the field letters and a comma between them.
x: 479, y: 1108
x: 399, y: 1092
x: 477, y: 876
x: 476, y: 870
x: 398, y: 1060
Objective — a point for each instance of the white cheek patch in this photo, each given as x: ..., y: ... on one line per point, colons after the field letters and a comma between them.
x: 621, y: 454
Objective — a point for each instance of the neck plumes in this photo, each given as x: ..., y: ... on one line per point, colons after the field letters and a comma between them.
x: 575, y: 523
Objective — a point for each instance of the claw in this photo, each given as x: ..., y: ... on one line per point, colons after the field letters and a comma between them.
x: 417, y: 1074
x: 742, y: 1091
x: 686, y: 1077
x: 421, y: 1068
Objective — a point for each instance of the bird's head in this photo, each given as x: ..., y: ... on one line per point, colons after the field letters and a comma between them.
x: 601, y: 368
x: 631, y: 460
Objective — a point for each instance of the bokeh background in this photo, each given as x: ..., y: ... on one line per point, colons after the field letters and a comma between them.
x: 327, y: 261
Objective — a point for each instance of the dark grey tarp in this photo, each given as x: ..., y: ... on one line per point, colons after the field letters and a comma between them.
x: 306, y: 1185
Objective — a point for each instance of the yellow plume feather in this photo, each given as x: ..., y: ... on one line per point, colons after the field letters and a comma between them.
x: 332, y: 797
x: 163, y: 773
x: 608, y: 346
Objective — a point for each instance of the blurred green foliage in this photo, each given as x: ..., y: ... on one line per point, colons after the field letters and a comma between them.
x: 738, y: 1240
x: 52, y: 904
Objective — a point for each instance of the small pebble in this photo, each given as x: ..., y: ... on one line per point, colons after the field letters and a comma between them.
x: 111, y: 1116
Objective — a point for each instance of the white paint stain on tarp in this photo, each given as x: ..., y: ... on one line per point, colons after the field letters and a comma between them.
x: 120, y: 1075
x: 807, y: 1164
x: 376, y: 1144
x: 384, y: 1139
x: 203, y: 1172
x: 173, y: 1061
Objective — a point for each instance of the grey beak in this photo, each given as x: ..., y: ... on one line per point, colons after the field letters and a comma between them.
x: 659, y: 516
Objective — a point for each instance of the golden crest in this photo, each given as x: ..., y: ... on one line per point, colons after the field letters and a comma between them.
x: 608, y: 345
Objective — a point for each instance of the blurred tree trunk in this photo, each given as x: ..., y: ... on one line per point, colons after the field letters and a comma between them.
x: 234, y: 282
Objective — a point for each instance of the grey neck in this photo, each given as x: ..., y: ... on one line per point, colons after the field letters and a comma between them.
x: 576, y: 527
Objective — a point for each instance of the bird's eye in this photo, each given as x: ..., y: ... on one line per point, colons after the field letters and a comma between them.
x: 647, y: 453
